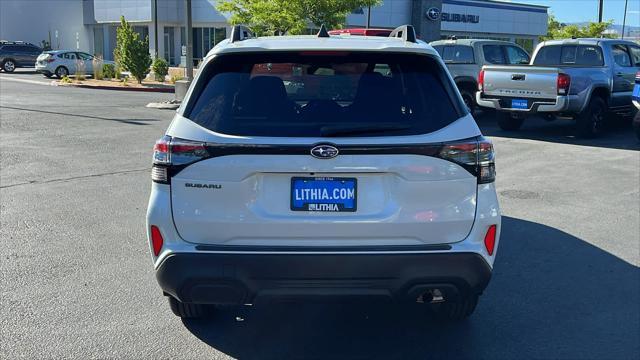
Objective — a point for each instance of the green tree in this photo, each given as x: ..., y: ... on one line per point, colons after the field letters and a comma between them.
x: 557, y: 30
x: 279, y: 17
x: 131, y: 52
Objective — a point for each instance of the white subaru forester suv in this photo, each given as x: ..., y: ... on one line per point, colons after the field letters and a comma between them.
x: 302, y: 166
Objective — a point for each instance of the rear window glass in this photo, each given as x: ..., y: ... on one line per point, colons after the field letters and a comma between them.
x: 457, y: 54
x: 313, y: 94
x: 555, y: 55
x: 493, y: 54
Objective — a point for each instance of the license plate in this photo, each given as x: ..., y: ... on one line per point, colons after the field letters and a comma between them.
x: 636, y: 92
x: 519, y: 104
x: 326, y: 194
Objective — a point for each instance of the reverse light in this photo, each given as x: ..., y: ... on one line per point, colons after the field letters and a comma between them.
x: 156, y: 240
x: 563, y: 84
x: 171, y: 153
x: 481, y: 80
x: 490, y: 239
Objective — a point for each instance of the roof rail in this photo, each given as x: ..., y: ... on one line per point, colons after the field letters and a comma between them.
x: 406, y: 32
x: 323, y: 33
x: 240, y: 32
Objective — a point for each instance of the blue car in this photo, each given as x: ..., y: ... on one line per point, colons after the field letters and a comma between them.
x: 636, y: 101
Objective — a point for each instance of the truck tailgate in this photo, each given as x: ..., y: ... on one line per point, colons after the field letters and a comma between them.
x: 521, y: 81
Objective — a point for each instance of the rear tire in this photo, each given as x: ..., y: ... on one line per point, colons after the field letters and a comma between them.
x: 590, y: 122
x: 188, y: 311
x: 61, y: 71
x: 457, y: 310
x: 636, y: 125
x: 509, y: 123
x: 469, y: 100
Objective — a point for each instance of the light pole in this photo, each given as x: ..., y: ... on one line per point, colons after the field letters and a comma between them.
x: 155, y: 27
x: 600, y: 11
x: 624, y: 18
x: 189, y: 38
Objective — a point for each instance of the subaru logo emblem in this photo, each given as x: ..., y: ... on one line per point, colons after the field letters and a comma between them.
x: 433, y: 14
x: 324, y: 151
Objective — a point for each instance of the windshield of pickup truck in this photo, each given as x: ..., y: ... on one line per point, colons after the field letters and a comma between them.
x: 558, y: 55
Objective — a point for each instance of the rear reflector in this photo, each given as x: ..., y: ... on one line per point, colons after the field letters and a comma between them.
x: 156, y: 240
x: 490, y: 239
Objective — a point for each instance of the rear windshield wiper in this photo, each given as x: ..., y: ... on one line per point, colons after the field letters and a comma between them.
x: 342, y: 130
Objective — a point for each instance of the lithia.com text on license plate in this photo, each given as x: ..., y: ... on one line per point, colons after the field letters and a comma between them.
x: 323, y: 194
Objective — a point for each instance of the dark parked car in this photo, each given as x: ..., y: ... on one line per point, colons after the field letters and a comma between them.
x: 15, y: 54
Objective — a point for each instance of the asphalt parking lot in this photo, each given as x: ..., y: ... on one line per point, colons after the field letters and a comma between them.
x: 77, y: 281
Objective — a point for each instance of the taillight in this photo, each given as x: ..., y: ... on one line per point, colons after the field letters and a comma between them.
x: 490, y: 239
x: 563, y: 83
x: 170, y: 154
x: 481, y: 80
x: 156, y: 240
x: 476, y: 156
x: 51, y: 59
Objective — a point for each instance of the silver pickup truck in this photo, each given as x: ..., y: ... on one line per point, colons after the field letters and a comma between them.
x: 465, y: 57
x: 583, y: 79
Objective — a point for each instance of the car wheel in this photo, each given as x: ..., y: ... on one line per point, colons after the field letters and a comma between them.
x: 636, y: 124
x: 186, y: 310
x: 509, y: 122
x: 590, y: 122
x: 468, y: 100
x: 456, y: 310
x: 8, y: 66
x: 61, y: 71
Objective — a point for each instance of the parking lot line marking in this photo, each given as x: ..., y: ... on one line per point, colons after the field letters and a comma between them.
x: 27, y: 81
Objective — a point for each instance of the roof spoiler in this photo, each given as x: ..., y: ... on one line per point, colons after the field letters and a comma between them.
x: 241, y: 32
x: 406, y: 32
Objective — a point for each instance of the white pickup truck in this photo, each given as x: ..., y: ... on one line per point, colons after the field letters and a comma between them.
x: 583, y: 79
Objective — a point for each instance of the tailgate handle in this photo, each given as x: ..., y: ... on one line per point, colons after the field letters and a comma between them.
x: 517, y: 77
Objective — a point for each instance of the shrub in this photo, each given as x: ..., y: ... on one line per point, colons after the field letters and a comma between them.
x: 109, y: 71
x: 80, y: 71
x: 132, y: 52
x: 175, y: 78
x: 98, y: 64
x: 160, y: 68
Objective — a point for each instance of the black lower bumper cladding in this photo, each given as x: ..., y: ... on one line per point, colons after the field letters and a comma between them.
x: 217, y: 278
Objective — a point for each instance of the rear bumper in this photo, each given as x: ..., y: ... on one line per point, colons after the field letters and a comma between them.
x: 223, y: 278
x: 561, y: 104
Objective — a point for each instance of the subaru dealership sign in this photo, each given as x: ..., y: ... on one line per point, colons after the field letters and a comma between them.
x: 435, y: 14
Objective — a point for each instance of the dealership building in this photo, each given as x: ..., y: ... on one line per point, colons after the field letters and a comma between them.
x: 90, y: 25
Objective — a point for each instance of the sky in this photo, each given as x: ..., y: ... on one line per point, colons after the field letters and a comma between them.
x: 570, y: 11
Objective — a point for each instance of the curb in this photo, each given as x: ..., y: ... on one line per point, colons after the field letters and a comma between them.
x: 117, y: 88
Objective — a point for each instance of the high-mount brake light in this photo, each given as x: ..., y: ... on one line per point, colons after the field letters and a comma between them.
x: 476, y: 156
x: 481, y: 80
x: 170, y: 153
x: 563, y: 84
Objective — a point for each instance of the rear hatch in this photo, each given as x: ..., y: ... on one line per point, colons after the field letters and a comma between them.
x: 323, y: 149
